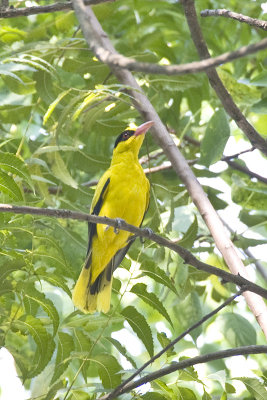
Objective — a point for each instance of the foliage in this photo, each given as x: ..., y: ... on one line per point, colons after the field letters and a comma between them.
x: 60, y: 112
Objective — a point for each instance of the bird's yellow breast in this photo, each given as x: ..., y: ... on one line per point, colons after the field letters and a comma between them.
x: 127, y: 198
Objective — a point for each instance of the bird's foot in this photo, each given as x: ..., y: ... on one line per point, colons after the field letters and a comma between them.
x: 119, y: 222
x: 148, y: 231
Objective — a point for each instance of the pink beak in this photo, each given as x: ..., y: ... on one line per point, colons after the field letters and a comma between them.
x: 142, y: 129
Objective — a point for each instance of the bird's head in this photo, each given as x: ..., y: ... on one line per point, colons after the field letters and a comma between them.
x: 131, y: 139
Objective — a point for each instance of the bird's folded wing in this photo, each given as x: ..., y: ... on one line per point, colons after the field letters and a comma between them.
x: 99, y: 196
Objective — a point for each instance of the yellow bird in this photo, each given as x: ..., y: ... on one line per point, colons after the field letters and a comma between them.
x: 122, y: 192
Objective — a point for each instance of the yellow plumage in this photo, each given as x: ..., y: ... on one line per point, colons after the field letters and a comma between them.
x: 122, y: 192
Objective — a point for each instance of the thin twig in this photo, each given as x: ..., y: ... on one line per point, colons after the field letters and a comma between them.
x: 245, y: 170
x: 258, y: 23
x: 257, y: 264
x: 232, y: 164
x: 24, y: 12
x: 97, y: 38
x: 145, y: 233
x: 119, y: 388
x: 237, y: 351
x: 236, y: 155
x: 224, y: 96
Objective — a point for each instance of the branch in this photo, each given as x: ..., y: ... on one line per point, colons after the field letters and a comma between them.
x: 232, y: 164
x: 258, y: 23
x: 245, y: 170
x: 257, y: 264
x: 119, y: 388
x: 24, y: 12
x: 226, y: 99
x: 96, y: 37
x: 176, y: 366
x: 145, y: 233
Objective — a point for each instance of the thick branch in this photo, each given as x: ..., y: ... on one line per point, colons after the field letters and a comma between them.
x: 258, y: 23
x: 226, y: 99
x: 145, y: 233
x: 119, y: 388
x: 238, y: 351
x: 24, y: 12
x: 96, y: 37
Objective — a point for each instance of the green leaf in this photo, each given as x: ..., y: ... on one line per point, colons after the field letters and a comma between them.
x: 260, y: 107
x: 53, y: 279
x: 243, y: 95
x: 53, y: 105
x: 88, y: 99
x: 186, y: 394
x: 158, y: 275
x: 11, y: 163
x: 45, y: 344
x: 238, y: 330
x: 260, y: 79
x: 9, y: 186
x: 46, y: 304
x: 154, y: 396
x: 9, y: 35
x: 140, y: 327
x: 64, y: 348
x: 255, y: 388
x: 14, y: 114
x: 206, y: 396
x: 248, y: 194
x: 122, y: 350
x: 229, y: 388
x: 216, y: 136
x: 60, y: 170
x: 190, y: 235
x: 164, y: 341
x: 108, y: 368
x: 140, y: 289
x: 192, y: 312
x: 5, y: 70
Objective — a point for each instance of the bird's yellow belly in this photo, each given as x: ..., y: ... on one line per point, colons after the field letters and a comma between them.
x: 124, y: 200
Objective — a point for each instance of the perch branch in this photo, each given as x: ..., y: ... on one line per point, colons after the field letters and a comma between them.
x: 97, y: 38
x: 238, y: 351
x: 258, y: 23
x: 145, y: 233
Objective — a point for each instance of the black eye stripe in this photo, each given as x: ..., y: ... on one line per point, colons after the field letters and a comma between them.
x: 123, y: 137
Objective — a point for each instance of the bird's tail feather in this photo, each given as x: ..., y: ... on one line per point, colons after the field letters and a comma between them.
x: 92, y: 297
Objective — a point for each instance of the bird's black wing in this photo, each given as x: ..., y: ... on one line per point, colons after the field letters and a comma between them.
x: 92, y: 226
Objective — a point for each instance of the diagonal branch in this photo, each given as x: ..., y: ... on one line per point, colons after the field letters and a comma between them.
x: 96, y: 37
x: 25, y: 11
x: 176, y: 366
x: 188, y: 257
x: 258, y: 23
x: 225, y: 98
x: 119, y: 388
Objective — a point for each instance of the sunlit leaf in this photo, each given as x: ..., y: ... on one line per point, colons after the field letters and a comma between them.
x: 140, y: 289
x: 216, y: 136
x: 139, y: 326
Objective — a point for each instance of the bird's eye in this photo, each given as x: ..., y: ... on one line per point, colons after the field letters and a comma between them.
x: 126, y: 135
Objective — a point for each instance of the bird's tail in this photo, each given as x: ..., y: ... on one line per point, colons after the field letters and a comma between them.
x: 91, y: 297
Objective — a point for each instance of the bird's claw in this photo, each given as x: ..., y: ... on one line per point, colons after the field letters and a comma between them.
x: 118, y: 225
x: 148, y: 231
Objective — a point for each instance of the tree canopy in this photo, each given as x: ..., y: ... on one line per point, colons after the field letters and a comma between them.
x: 61, y: 109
